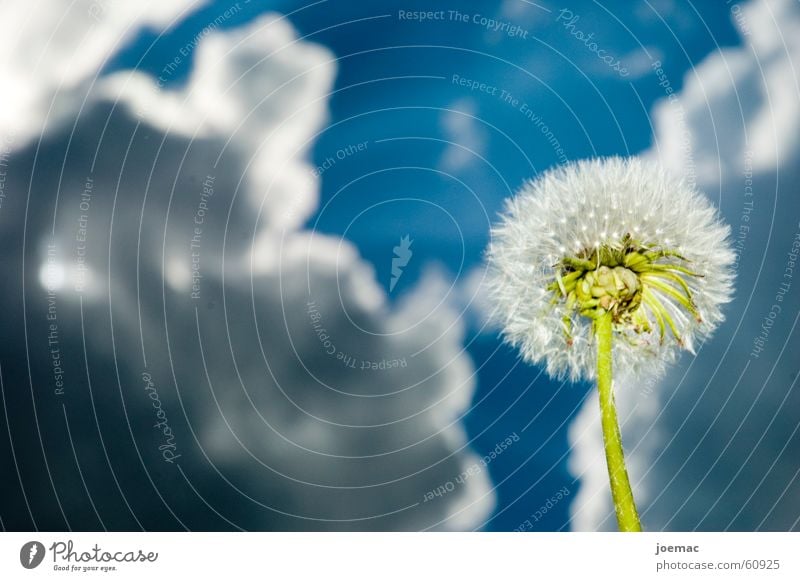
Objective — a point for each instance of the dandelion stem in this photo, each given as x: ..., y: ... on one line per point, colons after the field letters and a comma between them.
x: 627, y: 516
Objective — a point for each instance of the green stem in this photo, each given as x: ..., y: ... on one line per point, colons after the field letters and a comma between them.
x: 627, y: 516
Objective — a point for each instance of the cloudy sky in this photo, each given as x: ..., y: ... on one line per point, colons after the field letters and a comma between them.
x: 243, y: 260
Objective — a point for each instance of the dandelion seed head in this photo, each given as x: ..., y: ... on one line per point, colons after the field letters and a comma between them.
x: 669, y: 297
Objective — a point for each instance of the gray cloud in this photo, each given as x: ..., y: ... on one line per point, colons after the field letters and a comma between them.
x: 221, y: 366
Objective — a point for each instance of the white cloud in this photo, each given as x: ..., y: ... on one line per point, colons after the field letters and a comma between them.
x: 465, y: 134
x: 271, y: 107
x: 712, y: 446
x: 737, y: 99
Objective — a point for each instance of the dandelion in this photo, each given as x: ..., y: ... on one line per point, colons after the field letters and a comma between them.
x: 609, y: 256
